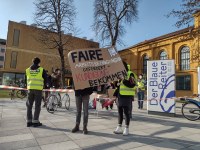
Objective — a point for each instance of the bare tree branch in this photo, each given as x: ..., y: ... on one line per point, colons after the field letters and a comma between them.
x: 55, y: 17
x: 110, y: 17
x: 185, y: 15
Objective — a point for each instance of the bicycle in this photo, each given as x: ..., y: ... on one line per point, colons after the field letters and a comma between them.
x: 191, y: 109
x: 55, y: 100
x: 21, y: 93
x: 18, y: 93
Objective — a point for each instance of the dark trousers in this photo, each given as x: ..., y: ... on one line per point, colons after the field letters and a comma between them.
x: 131, y: 107
x: 126, y: 111
x: 140, y: 99
x: 34, y: 96
x: 82, y: 100
x: 46, y: 95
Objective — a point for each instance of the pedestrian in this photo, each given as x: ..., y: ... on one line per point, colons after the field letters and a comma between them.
x: 140, y: 91
x: 56, y: 79
x: 47, y: 86
x: 82, y: 98
x: 35, y: 78
x: 125, y: 96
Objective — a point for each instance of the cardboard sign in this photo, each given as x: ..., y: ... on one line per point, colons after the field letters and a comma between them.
x: 93, y: 67
x: 161, y: 86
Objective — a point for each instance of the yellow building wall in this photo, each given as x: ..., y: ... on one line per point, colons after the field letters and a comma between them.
x: 29, y: 47
x: 172, y: 45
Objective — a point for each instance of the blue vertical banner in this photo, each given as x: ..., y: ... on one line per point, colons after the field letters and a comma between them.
x: 161, y: 86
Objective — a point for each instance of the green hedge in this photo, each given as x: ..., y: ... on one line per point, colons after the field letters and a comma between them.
x: 4, y: 93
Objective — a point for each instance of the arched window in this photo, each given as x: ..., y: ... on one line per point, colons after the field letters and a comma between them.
x: 145, y: 59
x: 185, y: 58
x: 163, y: 55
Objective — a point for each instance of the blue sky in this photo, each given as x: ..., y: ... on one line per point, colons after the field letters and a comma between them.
x: 151, y: 19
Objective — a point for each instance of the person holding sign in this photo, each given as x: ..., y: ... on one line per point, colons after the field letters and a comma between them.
x: 82, y: 98
x: 125, y: 96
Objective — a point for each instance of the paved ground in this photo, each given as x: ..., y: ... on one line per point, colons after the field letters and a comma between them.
x: 146, y: 131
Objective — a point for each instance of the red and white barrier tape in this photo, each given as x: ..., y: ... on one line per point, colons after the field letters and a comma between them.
x: 11, y: 87
x: 71, y: 90
x: 172, y: 98
x: 50, y: 90
x: 59, y: 90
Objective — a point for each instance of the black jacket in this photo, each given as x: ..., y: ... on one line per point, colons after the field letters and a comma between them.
x: 83, y: 92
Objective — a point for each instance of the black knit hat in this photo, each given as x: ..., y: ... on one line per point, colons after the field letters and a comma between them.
x: 36, y: 60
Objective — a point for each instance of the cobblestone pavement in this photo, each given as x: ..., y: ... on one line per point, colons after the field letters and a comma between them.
x: 149, y: 132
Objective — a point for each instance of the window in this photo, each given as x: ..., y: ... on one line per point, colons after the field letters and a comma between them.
x: 1, y: 66
x: 15, y: 79
x: 2, y: 50
x: 1, y: 77
x: 163, y: 55
x: 8, y: 79
x: 185, y: 58
x: 13, y: 62
x: 19, y: 80
x: 1, y: 58
x: 183, y: 82
x: 16, y: 37
x: 145, y: 59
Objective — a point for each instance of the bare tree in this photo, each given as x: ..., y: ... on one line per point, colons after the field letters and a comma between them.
x: 55, y: 17
x: 185, y: 15
x: 110, y: 18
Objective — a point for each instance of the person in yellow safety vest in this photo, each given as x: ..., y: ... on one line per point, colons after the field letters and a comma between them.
x: 140, y: 91
x: 35, y: 79
x: 135, y: 78
x: 125, y: 96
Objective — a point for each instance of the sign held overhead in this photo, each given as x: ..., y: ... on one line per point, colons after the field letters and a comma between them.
x: 93, y: 67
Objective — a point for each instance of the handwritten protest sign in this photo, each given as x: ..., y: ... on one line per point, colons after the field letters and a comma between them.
x: 93, y: 67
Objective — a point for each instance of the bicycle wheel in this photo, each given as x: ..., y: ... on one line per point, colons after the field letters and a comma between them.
x: 66, y: 100
x: 20, y: 94
x: 191, y: 111
x: 52, y: 104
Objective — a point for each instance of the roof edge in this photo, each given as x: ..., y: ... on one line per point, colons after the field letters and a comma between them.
x: 188, y: 29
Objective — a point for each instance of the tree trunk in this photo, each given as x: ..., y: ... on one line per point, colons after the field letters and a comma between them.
x: 62, y: 59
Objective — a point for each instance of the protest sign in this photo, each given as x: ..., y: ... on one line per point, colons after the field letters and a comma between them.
x: 161, y: 86
x: 93, y: 67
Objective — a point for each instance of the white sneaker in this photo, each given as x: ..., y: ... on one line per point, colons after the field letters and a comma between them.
x: 126, y: 131
x: 118, y: 130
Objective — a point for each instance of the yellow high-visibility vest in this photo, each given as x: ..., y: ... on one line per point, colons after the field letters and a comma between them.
x: 124, y: 90
x: 141, y: 85
x: 35, y: 80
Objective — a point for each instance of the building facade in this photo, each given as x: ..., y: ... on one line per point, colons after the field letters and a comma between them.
x: 24, y: 43
x: 2, y: 56
x: 182, y: 46
x: 2, y: 52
